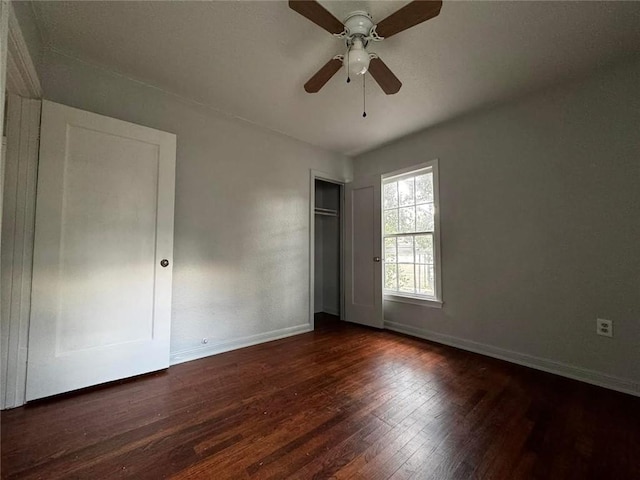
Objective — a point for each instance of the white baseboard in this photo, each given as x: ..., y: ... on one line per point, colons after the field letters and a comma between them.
x: 212, y: 349
x: 331, y: 311
x: 570, y: 371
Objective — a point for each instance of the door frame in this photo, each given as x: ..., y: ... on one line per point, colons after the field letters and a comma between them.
x: 325, y: 177
x: 19, y: 76
x: 23, y: 139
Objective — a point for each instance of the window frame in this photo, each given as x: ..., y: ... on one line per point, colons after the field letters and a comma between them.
x: 414, y: 298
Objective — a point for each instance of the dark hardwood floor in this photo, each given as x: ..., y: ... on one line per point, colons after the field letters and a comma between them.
x: 341, y: 402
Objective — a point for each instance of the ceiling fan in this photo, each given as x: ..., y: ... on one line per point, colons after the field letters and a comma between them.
x: 357, y: 30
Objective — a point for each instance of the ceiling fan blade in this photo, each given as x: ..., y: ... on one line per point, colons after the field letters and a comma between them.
x: 408, y: 16
x: 317, y: 14
x: 323, y: 75
x: 385, y: 77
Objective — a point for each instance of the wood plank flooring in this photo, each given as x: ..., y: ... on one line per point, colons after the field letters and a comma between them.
x: 341, y: 402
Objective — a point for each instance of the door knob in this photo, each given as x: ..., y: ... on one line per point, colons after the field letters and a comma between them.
x: 376, y: 259
x: 164, y: 262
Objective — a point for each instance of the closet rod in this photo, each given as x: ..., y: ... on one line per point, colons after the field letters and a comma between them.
x: 326, y: 211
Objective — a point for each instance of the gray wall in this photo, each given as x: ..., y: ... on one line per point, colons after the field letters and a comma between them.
x: 540, y: 222
x: 318, y: 283
x: 318, y: 274
x: 241, y: 257
x: 331, y: 267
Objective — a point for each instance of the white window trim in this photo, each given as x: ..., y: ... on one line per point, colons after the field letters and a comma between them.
x: 414, y: 299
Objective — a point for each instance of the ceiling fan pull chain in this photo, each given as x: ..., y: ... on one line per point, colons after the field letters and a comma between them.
x: 364, y: 96
x: 348, y: 77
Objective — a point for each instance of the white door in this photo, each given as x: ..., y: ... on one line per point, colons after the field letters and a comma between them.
x: 101, y: 297
x: 363, y: 251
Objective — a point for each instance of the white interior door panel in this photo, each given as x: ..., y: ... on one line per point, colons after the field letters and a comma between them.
x: 101, y: 301
x: 363, y: 251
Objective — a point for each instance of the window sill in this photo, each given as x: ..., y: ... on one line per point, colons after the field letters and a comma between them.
x: 423, y: 302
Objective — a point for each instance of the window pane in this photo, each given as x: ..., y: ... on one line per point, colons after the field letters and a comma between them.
x: 390, y: 250
x: 425, y: 280
x: 405, y: 249
x: 390, y: 195
x: 406, y: 282
x: 405, y: 192
x: 409, y: 229
x: 424, y: 188
x: 391, y: 221
x: 425, y: 217
x: 424, y: 249
x: 391, y: 277
x: 407, y: 220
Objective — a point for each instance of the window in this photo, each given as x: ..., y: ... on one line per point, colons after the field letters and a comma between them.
x: 410, y: 235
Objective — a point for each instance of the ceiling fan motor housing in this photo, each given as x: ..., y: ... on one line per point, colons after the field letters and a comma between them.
x: 358, y: 23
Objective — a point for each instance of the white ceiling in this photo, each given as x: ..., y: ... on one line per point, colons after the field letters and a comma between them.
x: 251, y: 59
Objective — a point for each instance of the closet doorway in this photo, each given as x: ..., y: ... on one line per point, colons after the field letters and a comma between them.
x: 327, y: 282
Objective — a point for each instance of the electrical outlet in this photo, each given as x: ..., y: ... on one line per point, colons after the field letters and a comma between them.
x: 604, y: 327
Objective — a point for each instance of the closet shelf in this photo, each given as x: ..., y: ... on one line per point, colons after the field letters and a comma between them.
x: 326, y: 211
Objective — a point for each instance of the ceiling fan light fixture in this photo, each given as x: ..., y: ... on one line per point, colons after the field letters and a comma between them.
x: 356, y: 60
